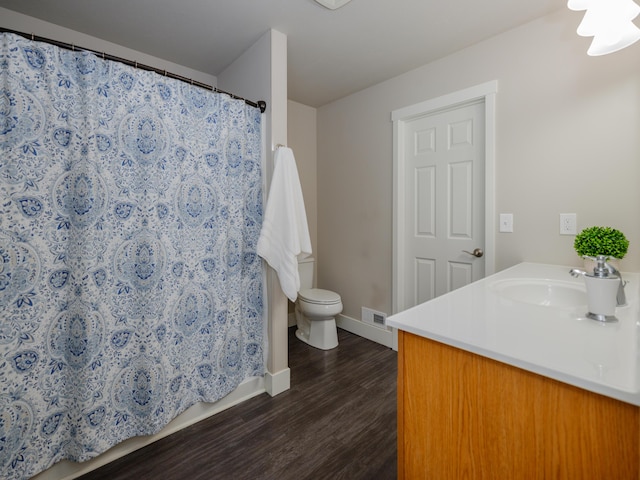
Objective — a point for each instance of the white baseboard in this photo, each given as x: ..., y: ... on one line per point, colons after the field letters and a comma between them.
x: 365, y: 330
x: 276, y: 383
x: 66, y: 470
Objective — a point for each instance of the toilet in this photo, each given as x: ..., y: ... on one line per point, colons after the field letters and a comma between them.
x: 316, y: 310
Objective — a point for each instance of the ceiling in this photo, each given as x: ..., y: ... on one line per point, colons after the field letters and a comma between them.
x: 331, y: 53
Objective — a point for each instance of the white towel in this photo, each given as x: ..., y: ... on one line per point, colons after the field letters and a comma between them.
x: 285, y: 234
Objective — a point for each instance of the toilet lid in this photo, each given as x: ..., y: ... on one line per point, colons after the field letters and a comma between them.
x: 319, y: 296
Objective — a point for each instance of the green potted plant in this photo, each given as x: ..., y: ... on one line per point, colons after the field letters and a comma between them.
x: 594, y: 241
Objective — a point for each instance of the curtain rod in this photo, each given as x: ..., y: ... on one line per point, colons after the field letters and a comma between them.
x: 261, y: 104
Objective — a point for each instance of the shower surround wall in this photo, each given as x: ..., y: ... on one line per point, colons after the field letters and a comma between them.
x: 130, y: 288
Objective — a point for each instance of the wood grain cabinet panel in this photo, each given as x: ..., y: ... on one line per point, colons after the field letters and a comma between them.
x: 464, y: 416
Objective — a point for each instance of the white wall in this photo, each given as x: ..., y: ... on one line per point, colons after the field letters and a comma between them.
x: 567, y: 142
x: 302, y: 127
x: 23, y: 23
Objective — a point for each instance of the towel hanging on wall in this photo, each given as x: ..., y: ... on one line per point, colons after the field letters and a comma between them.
x: 285, y: 233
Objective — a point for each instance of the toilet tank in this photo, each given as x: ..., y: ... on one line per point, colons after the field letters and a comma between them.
x: 305, y: 270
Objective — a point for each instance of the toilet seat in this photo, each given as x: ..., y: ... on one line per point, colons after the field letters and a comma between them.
x: 318, y: 296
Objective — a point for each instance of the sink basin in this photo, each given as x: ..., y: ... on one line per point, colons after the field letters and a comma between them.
x: 548, y: 293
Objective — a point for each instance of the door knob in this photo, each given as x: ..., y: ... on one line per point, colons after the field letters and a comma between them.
x: 476, y: 253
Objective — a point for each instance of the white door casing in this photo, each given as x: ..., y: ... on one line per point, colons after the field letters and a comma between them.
x: 444, y: 155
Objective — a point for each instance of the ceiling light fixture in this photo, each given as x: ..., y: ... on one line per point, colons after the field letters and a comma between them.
x: 609, y: 22
x: 332, y: 4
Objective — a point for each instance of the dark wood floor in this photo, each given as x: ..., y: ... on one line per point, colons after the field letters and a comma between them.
x: 338, y: 421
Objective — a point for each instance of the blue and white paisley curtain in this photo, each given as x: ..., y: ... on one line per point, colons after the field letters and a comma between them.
x: 130, y: 208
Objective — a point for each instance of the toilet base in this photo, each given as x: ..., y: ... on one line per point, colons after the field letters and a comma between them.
x: 322, y: 334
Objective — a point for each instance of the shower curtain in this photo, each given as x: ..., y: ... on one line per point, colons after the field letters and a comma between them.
x: 130, y: 289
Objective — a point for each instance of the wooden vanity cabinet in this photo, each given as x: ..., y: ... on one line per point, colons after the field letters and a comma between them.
x: 464, y: 416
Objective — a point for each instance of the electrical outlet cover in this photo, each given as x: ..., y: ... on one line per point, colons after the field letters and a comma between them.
x: 568, y: 223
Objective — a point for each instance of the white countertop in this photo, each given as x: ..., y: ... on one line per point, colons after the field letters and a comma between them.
x: 558, y: 342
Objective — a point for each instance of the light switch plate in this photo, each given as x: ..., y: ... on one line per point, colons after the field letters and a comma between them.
x: 506, y: 222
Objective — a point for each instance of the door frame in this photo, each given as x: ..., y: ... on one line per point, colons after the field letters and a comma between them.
x: 486, y: 92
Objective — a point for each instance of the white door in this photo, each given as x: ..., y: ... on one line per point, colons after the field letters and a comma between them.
x: 444, y: 202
